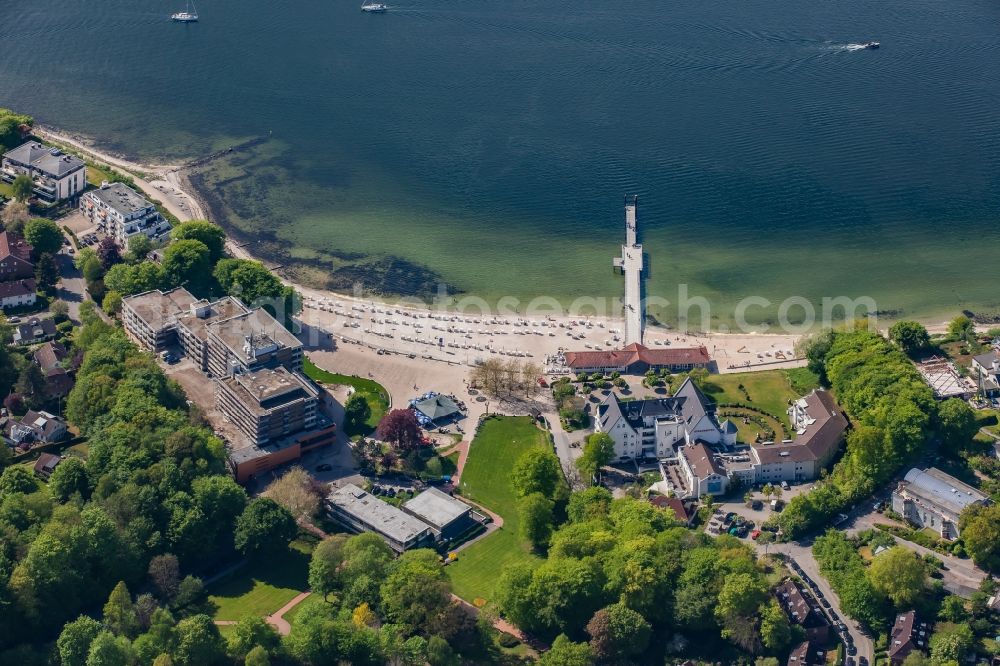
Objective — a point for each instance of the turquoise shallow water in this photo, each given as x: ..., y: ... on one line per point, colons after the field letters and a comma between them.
x: 489, y: 144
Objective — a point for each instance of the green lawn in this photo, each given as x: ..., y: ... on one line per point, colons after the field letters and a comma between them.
x: 485, y: 479
x: 311, y: 600
x: 262, y: 587
x: 769, y: 390
x: 375, y: 394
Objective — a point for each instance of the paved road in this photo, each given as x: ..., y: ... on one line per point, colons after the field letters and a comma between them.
x: 72, y: 287
x: 801, y: 554
x: 562, y: 440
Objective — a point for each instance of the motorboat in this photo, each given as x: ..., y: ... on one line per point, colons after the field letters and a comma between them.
x: 375, y: 7
x: 872, y: 45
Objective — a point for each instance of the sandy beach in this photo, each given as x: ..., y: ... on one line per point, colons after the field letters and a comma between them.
x: 446, y: 337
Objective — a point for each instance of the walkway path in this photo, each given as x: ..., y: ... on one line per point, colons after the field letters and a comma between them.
x: 278, y: 621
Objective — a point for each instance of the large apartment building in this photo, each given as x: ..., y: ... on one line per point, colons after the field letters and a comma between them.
x: 267, y: 405
x: 121, y: 212
x: 56, y: 176
x: 251, y: 341
x: 150, y: 318
x: 192, y: 326
x: 655, y: 428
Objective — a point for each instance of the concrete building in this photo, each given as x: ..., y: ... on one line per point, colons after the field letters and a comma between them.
x: 18, y: 294
x: 15, y: 258
x: 150, y: 318
x: 248, y: 461
x: 448, y: 517
x: 251, y: 341
x: 635, y: 359
x: 121, y: 212
x: 268, y: 405
x: 655, y: 428
x: 360, y: 511
x: 56, y: 176
x: 192, y: 326
x: 906, y: 636
x: 931, y: 498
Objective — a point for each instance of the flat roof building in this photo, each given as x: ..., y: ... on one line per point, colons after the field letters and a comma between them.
x: 363, y: 512
x: 268, y: 404
x: 192, y: 326
x: 150, y: 318
x: 121, y: 212
x: 251, y: 341
x: 447, y: 516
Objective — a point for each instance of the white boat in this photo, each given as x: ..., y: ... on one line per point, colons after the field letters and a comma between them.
x: 189, y: 15
x: 872, y: 45
x: 375, y: 7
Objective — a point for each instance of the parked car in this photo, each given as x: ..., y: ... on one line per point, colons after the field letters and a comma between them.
x: 756, y: 505
x: 755, y: 534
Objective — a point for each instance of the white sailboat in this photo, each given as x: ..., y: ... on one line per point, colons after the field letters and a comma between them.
x: 189, y: 15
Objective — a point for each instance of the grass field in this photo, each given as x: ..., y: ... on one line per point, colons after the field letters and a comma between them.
x: 262, y: 587
x: 485, y: 479
x: 769, y: 390
x: 375, y: 394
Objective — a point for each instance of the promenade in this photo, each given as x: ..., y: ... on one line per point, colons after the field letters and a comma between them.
x: 631, y: 264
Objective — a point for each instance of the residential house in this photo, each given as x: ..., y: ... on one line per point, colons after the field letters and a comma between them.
x: 50, y: 358
x: 906, y: 636
x: 931, y: 498
x: 121, y: 212
x: 18, y: 294
x: 15, y: 258
x: 34, y: 331
x: 56, y: 176
x: 802, y: 610
x: 36, y: 427
x: 45, y: 465
x: 675, y: 506
x: 986, y: 372
x: 819, y: 431
x: 635, y: 359
x: 360, y: 511
x: 655, y: 428
x: 807, y: 654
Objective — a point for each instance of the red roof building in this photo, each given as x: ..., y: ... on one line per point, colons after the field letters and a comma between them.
x: 15, y: 258
x: 635, y: 359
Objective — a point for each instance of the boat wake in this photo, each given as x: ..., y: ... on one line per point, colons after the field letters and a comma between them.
x: 849, y: 47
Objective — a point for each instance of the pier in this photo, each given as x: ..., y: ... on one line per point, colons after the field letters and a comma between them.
x: 630, y: 262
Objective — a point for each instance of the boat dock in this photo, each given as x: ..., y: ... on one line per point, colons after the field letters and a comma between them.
x: 630, y: 262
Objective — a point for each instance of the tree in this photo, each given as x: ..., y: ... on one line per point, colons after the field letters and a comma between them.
x: 416, y: 592
x: 951, y: 644
x: 264, y: 527
x: 357, y: 411
x: 363, y: 617
x: 74, y: 641
x: 962, y: 328
x: 535, y: 514
x: 210, y: 235
x: 43, y: 236
x: 916, y: 659
x: 165, y: 575
x: 775, y: 631
x: 957, y: 423
x: 598, y: 451
x: 14, y: 216
x: 257, y: 657
x: 439, y: 653
x: 953, y: 609
x: 119, y: 612
x: 198, y: 641
x: 189, y: 591
x: 250, y: 632
x: 109, y: 650
x: 617, y: 632
x: 17, y: 480
x: 46, y: 273
x: 565, y: 652
x: 22, y: 187
x: 248, y: 280
x: 910, y: 336
x: 980, y: 527
x: 401, y: 429
x: 296, y: 491
x: 139, y: 247
x: 107, y: 252
x: 187, y: 263
x: 31, y: 385
x: 324, y: 565
x: 68, y: 479
x: 537, y: 470
x: 112, y: 303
